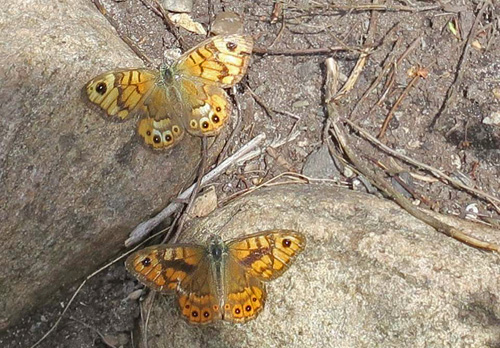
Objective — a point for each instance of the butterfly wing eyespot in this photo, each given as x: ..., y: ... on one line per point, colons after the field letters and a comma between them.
x: 244, y: 295
x: 211, y: 110
x: 161, y: 134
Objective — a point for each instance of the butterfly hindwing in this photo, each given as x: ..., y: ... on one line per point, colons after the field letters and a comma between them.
x: 244, y: 295
x: 210, y: 108
x: 199, y: 301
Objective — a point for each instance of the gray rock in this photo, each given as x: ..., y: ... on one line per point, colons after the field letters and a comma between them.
x: 493, y: 119
x: 371, y: 275
x: 178, y: 5
x: 319, y: 164
x: 227, y: 23
x: 73, y: 184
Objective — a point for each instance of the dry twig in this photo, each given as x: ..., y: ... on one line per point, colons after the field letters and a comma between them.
x: 436, y: 172
x: 145, y: 227
x: 390, y: 192
x: 298, y: 52
x: 159, y: 10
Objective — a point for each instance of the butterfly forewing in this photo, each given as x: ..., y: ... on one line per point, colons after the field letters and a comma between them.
x: 222, y: 60
x: 266, y: 255
x: 162, y: 267
x: 120, y: 92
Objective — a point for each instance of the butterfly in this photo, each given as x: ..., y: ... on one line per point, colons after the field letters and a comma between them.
x: 221, y: 281
x: 188, y: 95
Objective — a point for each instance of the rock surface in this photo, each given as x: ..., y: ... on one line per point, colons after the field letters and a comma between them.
x: 72, y: 184
x: 371, y: 275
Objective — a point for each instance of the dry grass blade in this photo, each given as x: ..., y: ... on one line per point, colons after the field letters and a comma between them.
x: 353, y: 78
x: 290, y: 178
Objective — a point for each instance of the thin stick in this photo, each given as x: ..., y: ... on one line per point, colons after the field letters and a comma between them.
x: 386, y: 68
x: 298, y: 52
x: 151, y: 300
x: 389, y: 116
x: 145, y: 227
x: 171, y: 26
x: 377, y: 7
x: 259, y: 101
x: 280, y: 32
x: 196, y: 190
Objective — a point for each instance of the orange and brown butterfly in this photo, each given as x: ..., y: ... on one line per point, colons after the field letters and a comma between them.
x: 188, y: 95
x: 221, y: 281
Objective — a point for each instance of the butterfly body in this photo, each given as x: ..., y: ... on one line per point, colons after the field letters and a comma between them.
x: 188, y: 95
x: 224, y: 280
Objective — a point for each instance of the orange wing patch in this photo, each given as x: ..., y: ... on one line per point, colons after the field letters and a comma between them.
x: 163, y: 268
x: 119, y: 92
x: 199, y: 309
x: 222, y: 59
x: 267, y: 256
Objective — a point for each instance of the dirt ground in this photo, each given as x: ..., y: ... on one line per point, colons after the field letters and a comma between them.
x: 445, y: 119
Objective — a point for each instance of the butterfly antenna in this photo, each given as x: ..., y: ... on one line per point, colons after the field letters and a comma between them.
x: 228, y: 221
